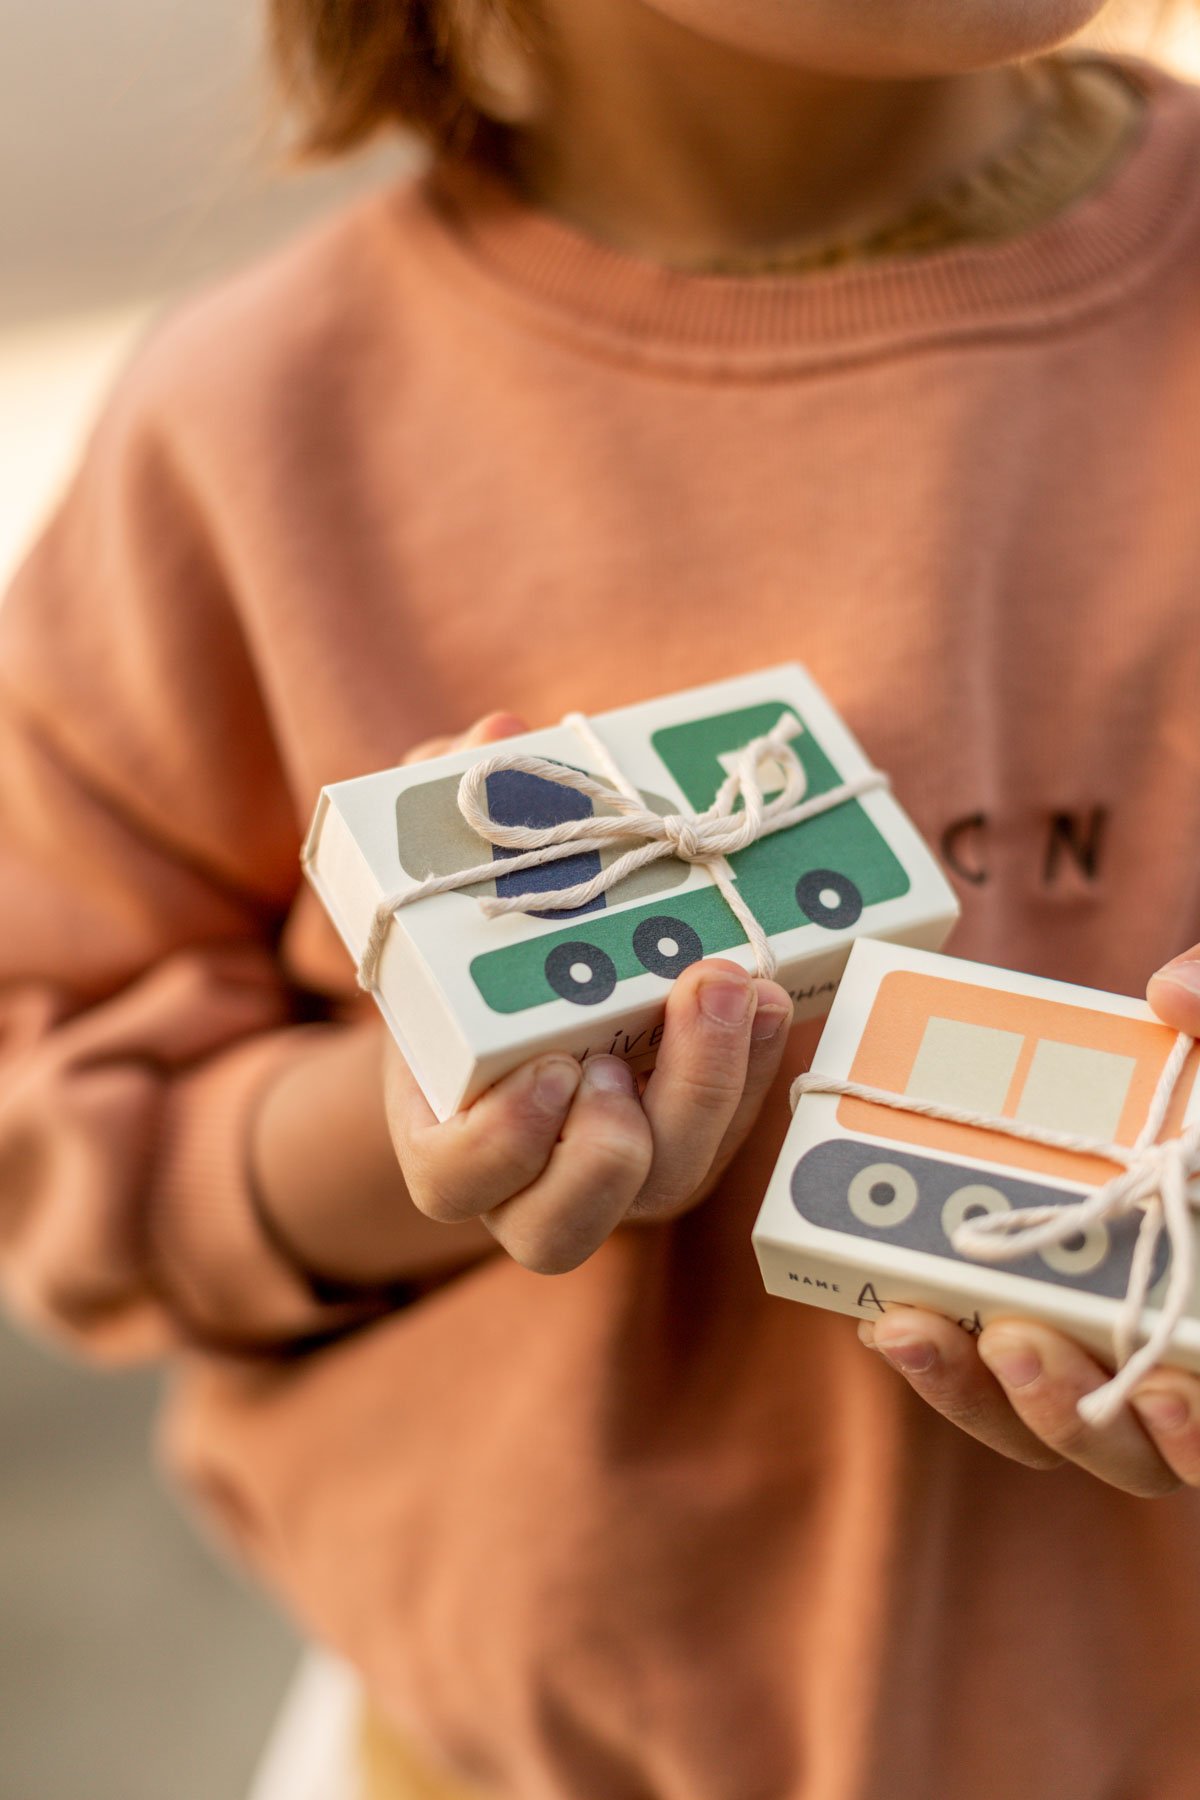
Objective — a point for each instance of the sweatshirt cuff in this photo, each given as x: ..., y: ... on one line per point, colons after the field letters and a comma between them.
x: 227, y: 1280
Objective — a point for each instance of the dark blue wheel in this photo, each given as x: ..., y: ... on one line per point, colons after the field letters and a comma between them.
x: 666, y: 946
x: 581, y: 973
x: 829, y: 899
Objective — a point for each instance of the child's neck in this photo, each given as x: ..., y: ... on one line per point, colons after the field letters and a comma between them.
x: 672, y: 147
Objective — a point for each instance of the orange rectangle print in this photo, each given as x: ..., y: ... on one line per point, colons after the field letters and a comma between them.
x: 1014, y: 1056
x: 864, y: 1208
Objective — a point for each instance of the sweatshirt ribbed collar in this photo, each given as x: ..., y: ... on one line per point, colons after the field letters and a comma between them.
x: 1086, y: 256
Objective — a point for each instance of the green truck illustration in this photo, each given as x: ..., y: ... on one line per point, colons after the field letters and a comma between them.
x: 823, y: 872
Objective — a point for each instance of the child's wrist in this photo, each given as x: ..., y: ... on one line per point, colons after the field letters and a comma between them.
x: 325, y: 1184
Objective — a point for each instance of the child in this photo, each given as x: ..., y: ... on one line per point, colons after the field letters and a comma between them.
x: 719, y: 334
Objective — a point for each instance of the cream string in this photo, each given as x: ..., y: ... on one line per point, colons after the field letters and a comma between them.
x: 1162, y: 1180
x: 705, y: 839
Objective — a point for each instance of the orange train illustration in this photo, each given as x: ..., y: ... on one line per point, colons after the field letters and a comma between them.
x: 910, y: 1181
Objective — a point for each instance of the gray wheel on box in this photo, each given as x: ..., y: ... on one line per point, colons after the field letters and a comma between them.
x: 829, y: 899
x: 666, y: 946
x: 581, y: 973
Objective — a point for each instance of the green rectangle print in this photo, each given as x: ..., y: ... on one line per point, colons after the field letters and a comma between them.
x: 824, y: 873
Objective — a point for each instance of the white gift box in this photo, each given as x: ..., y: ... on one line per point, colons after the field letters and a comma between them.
x: 865, y: 1199
x: 468, y: 997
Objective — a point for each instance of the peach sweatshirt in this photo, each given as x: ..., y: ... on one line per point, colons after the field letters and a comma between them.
x: 639, y: 1532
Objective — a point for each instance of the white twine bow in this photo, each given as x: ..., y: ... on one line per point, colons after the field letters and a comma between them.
x: 1162, y: 1181
x: 705, y: 839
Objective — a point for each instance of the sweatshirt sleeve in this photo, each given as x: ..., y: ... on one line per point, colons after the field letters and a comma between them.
x: 148, y: 860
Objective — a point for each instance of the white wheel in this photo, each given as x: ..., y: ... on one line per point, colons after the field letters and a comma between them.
x: 883, y: 1195
x: 965, y: 1202
x: 1078, y: 1258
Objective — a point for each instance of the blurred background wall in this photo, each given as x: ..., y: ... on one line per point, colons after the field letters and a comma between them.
x: 134, y: 162
x: 135, y: 150
x: 137, y: 157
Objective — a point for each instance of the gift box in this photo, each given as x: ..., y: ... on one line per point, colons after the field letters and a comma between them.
x: 988, y: 1144
x: 740, y: 819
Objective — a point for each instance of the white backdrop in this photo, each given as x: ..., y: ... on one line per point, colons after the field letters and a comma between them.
x: 140, y: 153
x: 135, y: 152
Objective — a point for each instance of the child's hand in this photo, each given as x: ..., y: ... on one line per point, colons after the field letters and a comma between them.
x: 1015, y: 1387
x: 555, y: 1156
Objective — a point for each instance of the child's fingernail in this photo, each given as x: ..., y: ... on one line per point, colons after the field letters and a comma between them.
x: 492, y: 725
x: 912, y: 1356
x: 609, y: 1075
x: 1184, y: 974
x: 1162, y: 1409
x: 555, y: 1085
x: 866, y: 1333
x: 724, y: 1000
x: 769, y: 1021
x: 1017, y: 1365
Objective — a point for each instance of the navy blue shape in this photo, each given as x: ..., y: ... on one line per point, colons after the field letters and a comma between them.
x: 517, y: 798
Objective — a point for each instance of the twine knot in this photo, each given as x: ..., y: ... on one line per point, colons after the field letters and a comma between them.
x: 685, y: 838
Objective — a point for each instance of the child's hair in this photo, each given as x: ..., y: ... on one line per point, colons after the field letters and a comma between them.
x: 353, y: 67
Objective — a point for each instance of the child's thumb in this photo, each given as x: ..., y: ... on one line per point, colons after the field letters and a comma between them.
x: 1174, y: 992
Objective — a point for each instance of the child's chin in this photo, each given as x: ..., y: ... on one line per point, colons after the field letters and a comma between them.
x: 884, y: 38
x: 956, y: 35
